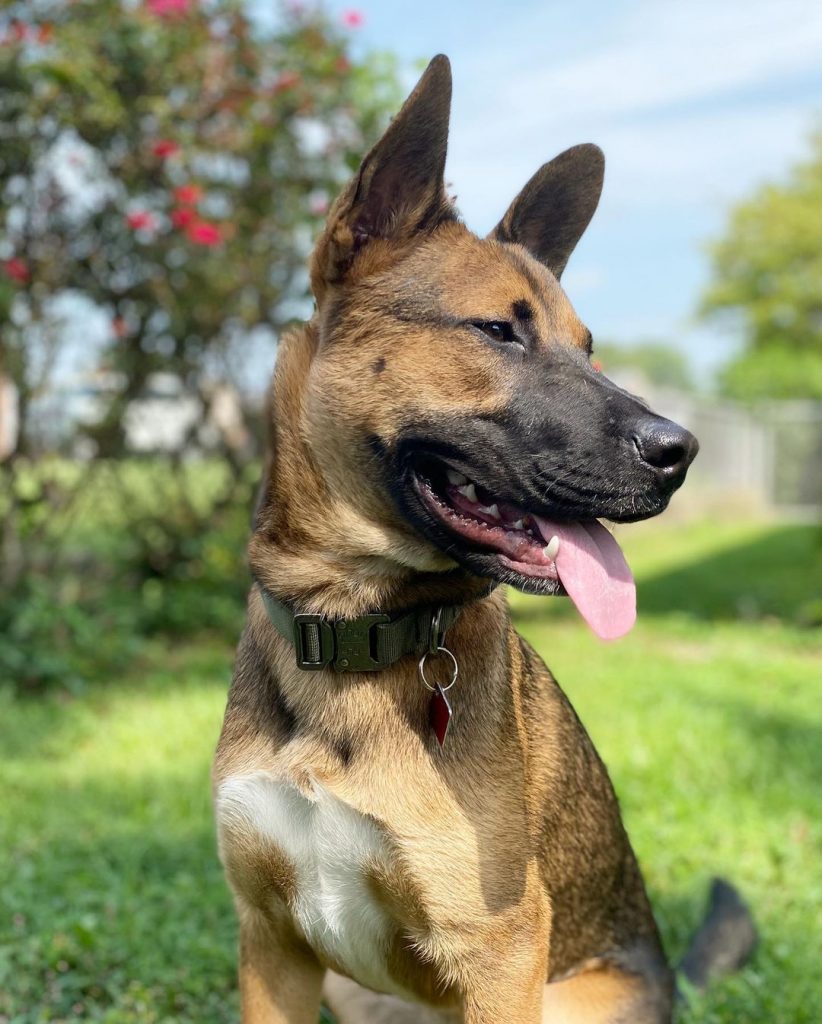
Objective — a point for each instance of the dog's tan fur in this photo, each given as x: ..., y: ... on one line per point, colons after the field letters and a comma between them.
x: 503, y: 862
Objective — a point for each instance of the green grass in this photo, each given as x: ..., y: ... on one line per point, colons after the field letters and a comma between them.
x: 708, y: 715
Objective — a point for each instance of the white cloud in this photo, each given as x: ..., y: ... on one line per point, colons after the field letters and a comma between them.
x: 708, y: 158
x: 658, y: 55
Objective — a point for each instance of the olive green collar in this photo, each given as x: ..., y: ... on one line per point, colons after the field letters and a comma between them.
x: 367, y: 643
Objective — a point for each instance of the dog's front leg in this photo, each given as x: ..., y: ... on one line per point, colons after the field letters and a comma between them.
x: 509, y: 987
x: 280, y: 978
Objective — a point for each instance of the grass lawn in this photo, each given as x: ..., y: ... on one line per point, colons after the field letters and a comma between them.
x: 708, y: 715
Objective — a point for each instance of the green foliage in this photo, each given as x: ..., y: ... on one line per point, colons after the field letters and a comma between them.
x: 113, y: 908
x: 137, y: 561
x: 774, y: 370
x: 767, y: 277
x: 50, y: 635
x: 659, y: 362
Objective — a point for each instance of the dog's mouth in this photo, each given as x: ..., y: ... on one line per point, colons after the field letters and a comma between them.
x: 496, y: 538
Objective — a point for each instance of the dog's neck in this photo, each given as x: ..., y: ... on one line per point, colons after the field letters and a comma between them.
x: 317, y: 553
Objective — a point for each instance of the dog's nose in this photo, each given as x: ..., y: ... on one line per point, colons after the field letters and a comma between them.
x: 666, y: 446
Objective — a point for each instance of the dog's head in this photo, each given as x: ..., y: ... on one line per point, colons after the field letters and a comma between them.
x: 451, y: 396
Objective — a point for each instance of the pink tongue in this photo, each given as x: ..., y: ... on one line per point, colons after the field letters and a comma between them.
x: 593, y: 570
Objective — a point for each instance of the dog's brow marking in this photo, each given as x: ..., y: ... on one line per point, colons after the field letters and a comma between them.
x: 412, y: 314
x: 534, y: 284
x: 523, y: 310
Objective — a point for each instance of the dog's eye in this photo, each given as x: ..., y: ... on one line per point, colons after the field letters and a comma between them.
x: 496, y: 330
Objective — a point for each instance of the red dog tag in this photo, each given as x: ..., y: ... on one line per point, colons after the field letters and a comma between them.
x: 439, y: 714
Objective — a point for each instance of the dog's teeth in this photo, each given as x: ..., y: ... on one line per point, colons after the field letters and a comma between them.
x: 469, y: 492
x: 456, y: 478
x: 491, y: 511
x: 551, y: 548
x: 518, y: 525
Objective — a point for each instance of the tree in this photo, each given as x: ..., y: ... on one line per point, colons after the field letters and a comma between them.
x: 167, y: 164
x: 767, y: 279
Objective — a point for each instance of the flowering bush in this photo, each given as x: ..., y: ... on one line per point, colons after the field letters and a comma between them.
x: 163, y: 166
x: 166, y: 160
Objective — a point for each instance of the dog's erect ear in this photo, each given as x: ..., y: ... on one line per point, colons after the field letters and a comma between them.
x: 399, y: 189
x: 400, y: 185
x: 550, y: 214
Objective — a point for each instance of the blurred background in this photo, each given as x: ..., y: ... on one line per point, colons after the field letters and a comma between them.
x: 164, y: 166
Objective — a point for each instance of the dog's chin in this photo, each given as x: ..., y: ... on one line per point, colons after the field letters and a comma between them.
x: 488, y: 536
x: 496, y: 567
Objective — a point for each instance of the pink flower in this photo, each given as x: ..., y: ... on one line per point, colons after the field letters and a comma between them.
x: 353, y: 18
x: 183, y: 217
x: 164, y: 148
x: 202, y: 233
x: 17, y: 270
x: 21, y: 32
x: 188, y: 195
x: 140, y: 220
x: 597, y: 366
x: 168, y: 8
x: 18, y: 32
x: 318, y: 205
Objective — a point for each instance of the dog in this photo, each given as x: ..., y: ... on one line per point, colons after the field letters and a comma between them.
x: 408, y: 809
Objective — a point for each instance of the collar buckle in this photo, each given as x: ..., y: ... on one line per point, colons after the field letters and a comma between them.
x: 356, y: 643
x: 313, y: 642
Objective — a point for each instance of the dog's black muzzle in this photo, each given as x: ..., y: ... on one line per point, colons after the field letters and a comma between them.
x: 571, y: 445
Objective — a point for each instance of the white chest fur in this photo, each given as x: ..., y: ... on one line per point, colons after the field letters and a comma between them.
x: 330, y: 846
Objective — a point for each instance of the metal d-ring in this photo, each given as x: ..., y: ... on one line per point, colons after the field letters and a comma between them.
x: 454, y: 665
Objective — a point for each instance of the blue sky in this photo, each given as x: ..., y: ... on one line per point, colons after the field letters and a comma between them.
x: 694, y: 103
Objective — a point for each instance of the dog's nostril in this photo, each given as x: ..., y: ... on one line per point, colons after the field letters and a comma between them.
x: 667, y: 456
x: 666, y: 446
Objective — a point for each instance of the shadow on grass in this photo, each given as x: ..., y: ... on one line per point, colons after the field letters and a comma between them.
x: 776, y: 575
x: 784, y: 747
